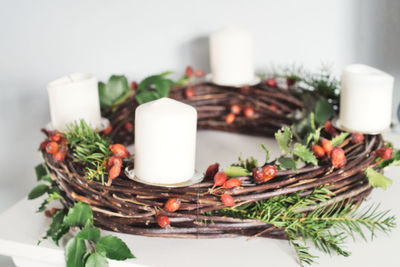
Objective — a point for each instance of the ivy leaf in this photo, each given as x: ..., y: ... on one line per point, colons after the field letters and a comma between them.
x: 74, y: 252
x: 266, y: 152
x: 79, y: 215
x: 89, y: 233
x: 96, y: 260
x: 114, y: 248
x: 57, y: 227
x: 304, y: 154
x: 323, y: 111
x: 236, y: 171
x: 376, y: 179
x: 288, y: 163
x: 163, y: 86
x: 284, y: 137
x: 40, y: 171
x: 146, y: 96
x: 110, y: 92
x: 339, y: 139
x: 38, y: 191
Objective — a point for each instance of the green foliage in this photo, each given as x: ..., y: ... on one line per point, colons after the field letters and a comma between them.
x: 284, y: 138
x: 75, y: 251
x: 339, y: 139
x: 326, y: 227
x: 305, y: 154
x: 115, y: 91
x: 114, y: 248
x: 40, y: 171
x: 236, y: 171
x: 323, y: 111
x: 96, y: 260
x: 377, y: 179
x: 89, y: 148
x: 57, y: 227
x: 154, y: 87
x: 287, y: 163
x: 266, y: 152
x: 89, y: 233
x: 393, y: 161
x: 79, y: 215
x: 38, y: 191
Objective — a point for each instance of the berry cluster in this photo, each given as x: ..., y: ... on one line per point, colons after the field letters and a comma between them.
x: 55, y: 144
x: 189, y: 74
x: 114, y: 163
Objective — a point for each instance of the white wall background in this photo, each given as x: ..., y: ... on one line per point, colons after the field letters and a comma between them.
x: 44, y: 39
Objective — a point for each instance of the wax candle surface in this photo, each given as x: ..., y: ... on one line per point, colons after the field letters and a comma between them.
x: 72, y: 98
x: 165, y: 141
x: 231, y: 56
x: 366, y: 99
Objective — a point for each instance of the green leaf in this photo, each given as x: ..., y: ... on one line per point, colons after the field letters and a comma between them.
x: 376, y: 179
x: 339, y: 139
x: 304, y: 154
x: 89, y: 233
x: 314, y: 136
x: 284, y: 138
x: 79, y: 215
x: 57, y: 228
x: 74, y: 252
x: 146, y: 96
x: 236, y: 171
x: 393, y: 161
x: 266, y: 152
x: 163, y: 86
x: 323, y: 111
x: 109, y: 93
x: 288, y: 163
x: 47, y: 178
x: 114, y: 248
x: 96, y: 260
x: 40, y: 171
x: 149, y: 81
x: 38, y: 191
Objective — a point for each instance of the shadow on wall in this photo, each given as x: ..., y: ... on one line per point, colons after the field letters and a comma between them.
x: 196, y: 53
x: 379, y: 39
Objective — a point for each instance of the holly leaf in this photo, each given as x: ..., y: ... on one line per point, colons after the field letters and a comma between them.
x: 96, y: 260
x: 40, y: 171
x: 53, y: 195
x: 38, y: 191
x: 339, y: 139
x: 146, y: 96
x: 236, y: 171
x: 110, y: 92
x: 393, y: 161
x: 376, y: 179
x: 163, y: 86
x: 266, y: 152
x: 304, y: 154
x: 75, y: 252
x: 323, y: 111
x: 314, y: 136
x: 288, y: 163
x: 114, y: 248
x: 89, y: 233
x: 284, y: 138
x: 57, y: 227
x: 79, y: 215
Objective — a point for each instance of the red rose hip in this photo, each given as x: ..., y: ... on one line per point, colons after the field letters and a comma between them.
x: 357, y: 138
x: 338, y: 157
x: 248, y: 112
x: 51, y: 147
x: 231, y: 183
x: 107, y: 130
x: 189, y: 71
x: 211, y: 171
x: 189, y: 92
x: 114, y: 172
x: 60, y: 155
x: 119, y: 150
x: 235, y: 109
x: 327, y: 146
x: 264, y: 174
x: 230, y: 118
x: 172, y: 204
x: 318, y: 151
x: 227, y: 200
x: 128, y: 127
x: 162, y: 220
x: 271, y: 82
x: 384, y: 152
x: 220, y: 178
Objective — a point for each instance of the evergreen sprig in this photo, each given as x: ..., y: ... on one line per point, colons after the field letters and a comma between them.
x: 326, y: 227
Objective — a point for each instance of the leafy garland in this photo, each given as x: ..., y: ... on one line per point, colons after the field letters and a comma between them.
x: 326, y: 227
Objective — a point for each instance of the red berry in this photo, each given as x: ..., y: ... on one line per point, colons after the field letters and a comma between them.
x: 189, y: 71
x: 264, y: 174
x: 227, y: 200
x: 385, y: 152
x: 60, y: 155
x: 119, y: 150
x: 51, y: 147
x: 114, y: 161
x: 162, y: 220
x: 199, y: 73
x: 319, y: 152
x: 271, y: 82
x: 357, y: 138
x: 220, y: 178
x: 330, y: 129
x: 231, y: 183
x: 248, y: 112
x: 327, y: 145
x: 273, y: 107
x: 114, y: 172
x: 107, y: 130
x: 338, y: 158
x: 43, y: 145
x: 230, y: 118
x: 133, y: 85
x: 235, y: 109
x: 128, y: 127
x: 189, y: 92
x: 172, y: 204
x: 55, y: 136
x: 290, y: 81
x: 211, y: 171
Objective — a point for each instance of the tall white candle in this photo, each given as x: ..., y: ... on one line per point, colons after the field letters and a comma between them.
x: 72, y: 98
x: 231, y: 56
x: 165, y: 141
x: 366, y: 99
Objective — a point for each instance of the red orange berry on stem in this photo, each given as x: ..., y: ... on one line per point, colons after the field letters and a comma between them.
x: 318, y: 151
x: 263, y: 174
x: 133, y: 85
x: 119, y: 150
x: 189, y: 92
x: 384, y: 152
x: 128, y: 127
x: 328, y: 127
x: 114, y: 160
x: 230, y: 118
x: 211, y: 171
x: 248, y: 112
x: 114, y: 172
x: 338, y: 157
x: 107, y: 130
x: 172, y: 205
x: 327, y: 146
x: 227, y: 200
x: 220, y: 178
x: 235, y: 109
x: 357, y: 138
x: 189, y: 71
x: 231, y: 183
x: 271, y: 82
x: 60, y: 155
x: 162, y: 220
x: 51, y: 147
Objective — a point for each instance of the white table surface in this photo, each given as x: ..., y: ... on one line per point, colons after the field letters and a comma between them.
x: 21, y: 227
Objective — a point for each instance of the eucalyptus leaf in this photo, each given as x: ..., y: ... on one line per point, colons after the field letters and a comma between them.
x: 114, y: 248
x: 79, y: 215
x: 96, y: 260
x: 236, y: 171
x: 38, y: 191
x: 304, y: 154
x: 323, y: 111
x: 376, y: 179
x: 74, y: 252
x: 284, y: 138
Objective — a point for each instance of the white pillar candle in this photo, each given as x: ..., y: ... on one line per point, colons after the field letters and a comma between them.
x: 231, y: 56
x: 366, y: 99
x: 165, y: 141
x: 72, y: 98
